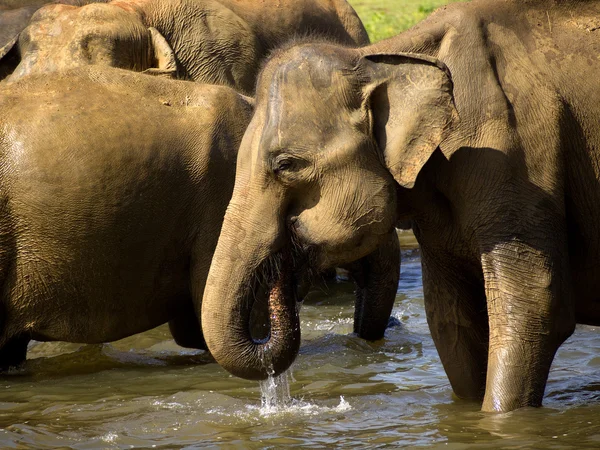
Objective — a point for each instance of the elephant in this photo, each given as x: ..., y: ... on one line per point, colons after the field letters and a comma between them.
x: 113, y: 189
x: 479, y: 125
x: 217, y: 42
x: 113, y: 186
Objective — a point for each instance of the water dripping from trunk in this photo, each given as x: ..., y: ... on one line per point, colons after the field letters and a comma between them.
x: 275, y: 393
x: 276, y: 399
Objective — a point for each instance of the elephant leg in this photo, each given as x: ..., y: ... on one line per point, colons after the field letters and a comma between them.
x: 376, y: 277
x: 457, y: 318
x: 14, y: 352
x: 530, y: 316
x: 186, y: 330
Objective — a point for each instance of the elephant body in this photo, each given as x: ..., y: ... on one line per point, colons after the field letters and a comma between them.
x: 217, y: 42
x: 113, y: 186
x: 480, y: 126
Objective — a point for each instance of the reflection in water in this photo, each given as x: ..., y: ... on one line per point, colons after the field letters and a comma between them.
x: 145, y: 391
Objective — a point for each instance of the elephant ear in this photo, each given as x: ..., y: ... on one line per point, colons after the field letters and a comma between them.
x: 409, y: 99
x: 163, y: 55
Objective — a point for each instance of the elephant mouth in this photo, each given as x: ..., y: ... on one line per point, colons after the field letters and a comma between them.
x: 317, y: 258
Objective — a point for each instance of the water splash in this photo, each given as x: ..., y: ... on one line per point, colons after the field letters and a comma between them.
x: 296, y: 408
x: 275, y: 393
x: 276, y: 399
x: 110, y: 437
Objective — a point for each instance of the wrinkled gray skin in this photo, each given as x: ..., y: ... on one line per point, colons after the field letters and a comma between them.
x: 14, y: 17
x: 217, y: 42
x: 481, y: 126
x: 113, y: 186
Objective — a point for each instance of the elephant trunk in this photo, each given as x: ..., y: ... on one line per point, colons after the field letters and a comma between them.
x: 242, y: 260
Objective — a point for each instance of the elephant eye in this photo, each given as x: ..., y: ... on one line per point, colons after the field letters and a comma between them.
x: 282, y: 164
x: 289, y: 168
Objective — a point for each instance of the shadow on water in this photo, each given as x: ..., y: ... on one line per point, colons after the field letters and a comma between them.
x: 89, y: 359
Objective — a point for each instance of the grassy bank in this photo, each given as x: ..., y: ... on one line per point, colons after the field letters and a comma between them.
x: 385, y: 18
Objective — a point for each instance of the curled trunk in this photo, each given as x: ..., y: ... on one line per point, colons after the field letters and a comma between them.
x: 240, y: 261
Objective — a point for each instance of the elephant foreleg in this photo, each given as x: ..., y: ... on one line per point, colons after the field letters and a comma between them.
x: 530, y: 316
x: 376, y: 277
x: 457, y: 318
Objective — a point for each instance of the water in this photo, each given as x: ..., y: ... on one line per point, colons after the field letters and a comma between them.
x: 145, y: 392
x: 275, y: 393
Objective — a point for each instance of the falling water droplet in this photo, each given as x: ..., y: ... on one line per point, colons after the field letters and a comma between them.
x: 275, y: 393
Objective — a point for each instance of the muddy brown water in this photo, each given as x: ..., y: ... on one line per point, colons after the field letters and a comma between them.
x: 146, y: 392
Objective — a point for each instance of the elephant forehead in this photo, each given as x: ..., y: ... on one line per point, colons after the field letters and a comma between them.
x: 51, y: 24
x: 306, y: 101
x: 76, y: 28
x: 102, y: 11
x: 311, y: 73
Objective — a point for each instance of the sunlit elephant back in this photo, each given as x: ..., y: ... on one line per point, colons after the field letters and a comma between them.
x: 201, y: 40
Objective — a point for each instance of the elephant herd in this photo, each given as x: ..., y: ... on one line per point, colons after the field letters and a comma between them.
x: 174, y: 160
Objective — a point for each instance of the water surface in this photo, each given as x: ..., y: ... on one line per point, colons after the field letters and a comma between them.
x: 146, y: 392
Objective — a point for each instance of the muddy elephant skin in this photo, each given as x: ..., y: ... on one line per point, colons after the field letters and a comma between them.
x: 113, y: 186
x: 14, y: 17
x: 480, y: 125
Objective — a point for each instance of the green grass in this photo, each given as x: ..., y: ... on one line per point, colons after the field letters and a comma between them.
x: 385, y: 18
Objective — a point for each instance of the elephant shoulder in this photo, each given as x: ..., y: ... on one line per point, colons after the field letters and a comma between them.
x: 221, y: 116
x: 216, y: 46
x: 475, y: 17
x: 225, y: 107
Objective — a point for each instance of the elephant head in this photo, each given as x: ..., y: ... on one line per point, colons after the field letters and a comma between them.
x: 335, y: 138
x: 209, y: 41
x: 62, y: 36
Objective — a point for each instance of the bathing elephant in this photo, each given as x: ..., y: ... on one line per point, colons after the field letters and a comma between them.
x: 113, y: 188
x: 481, y: 126
x: 217, y: 42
